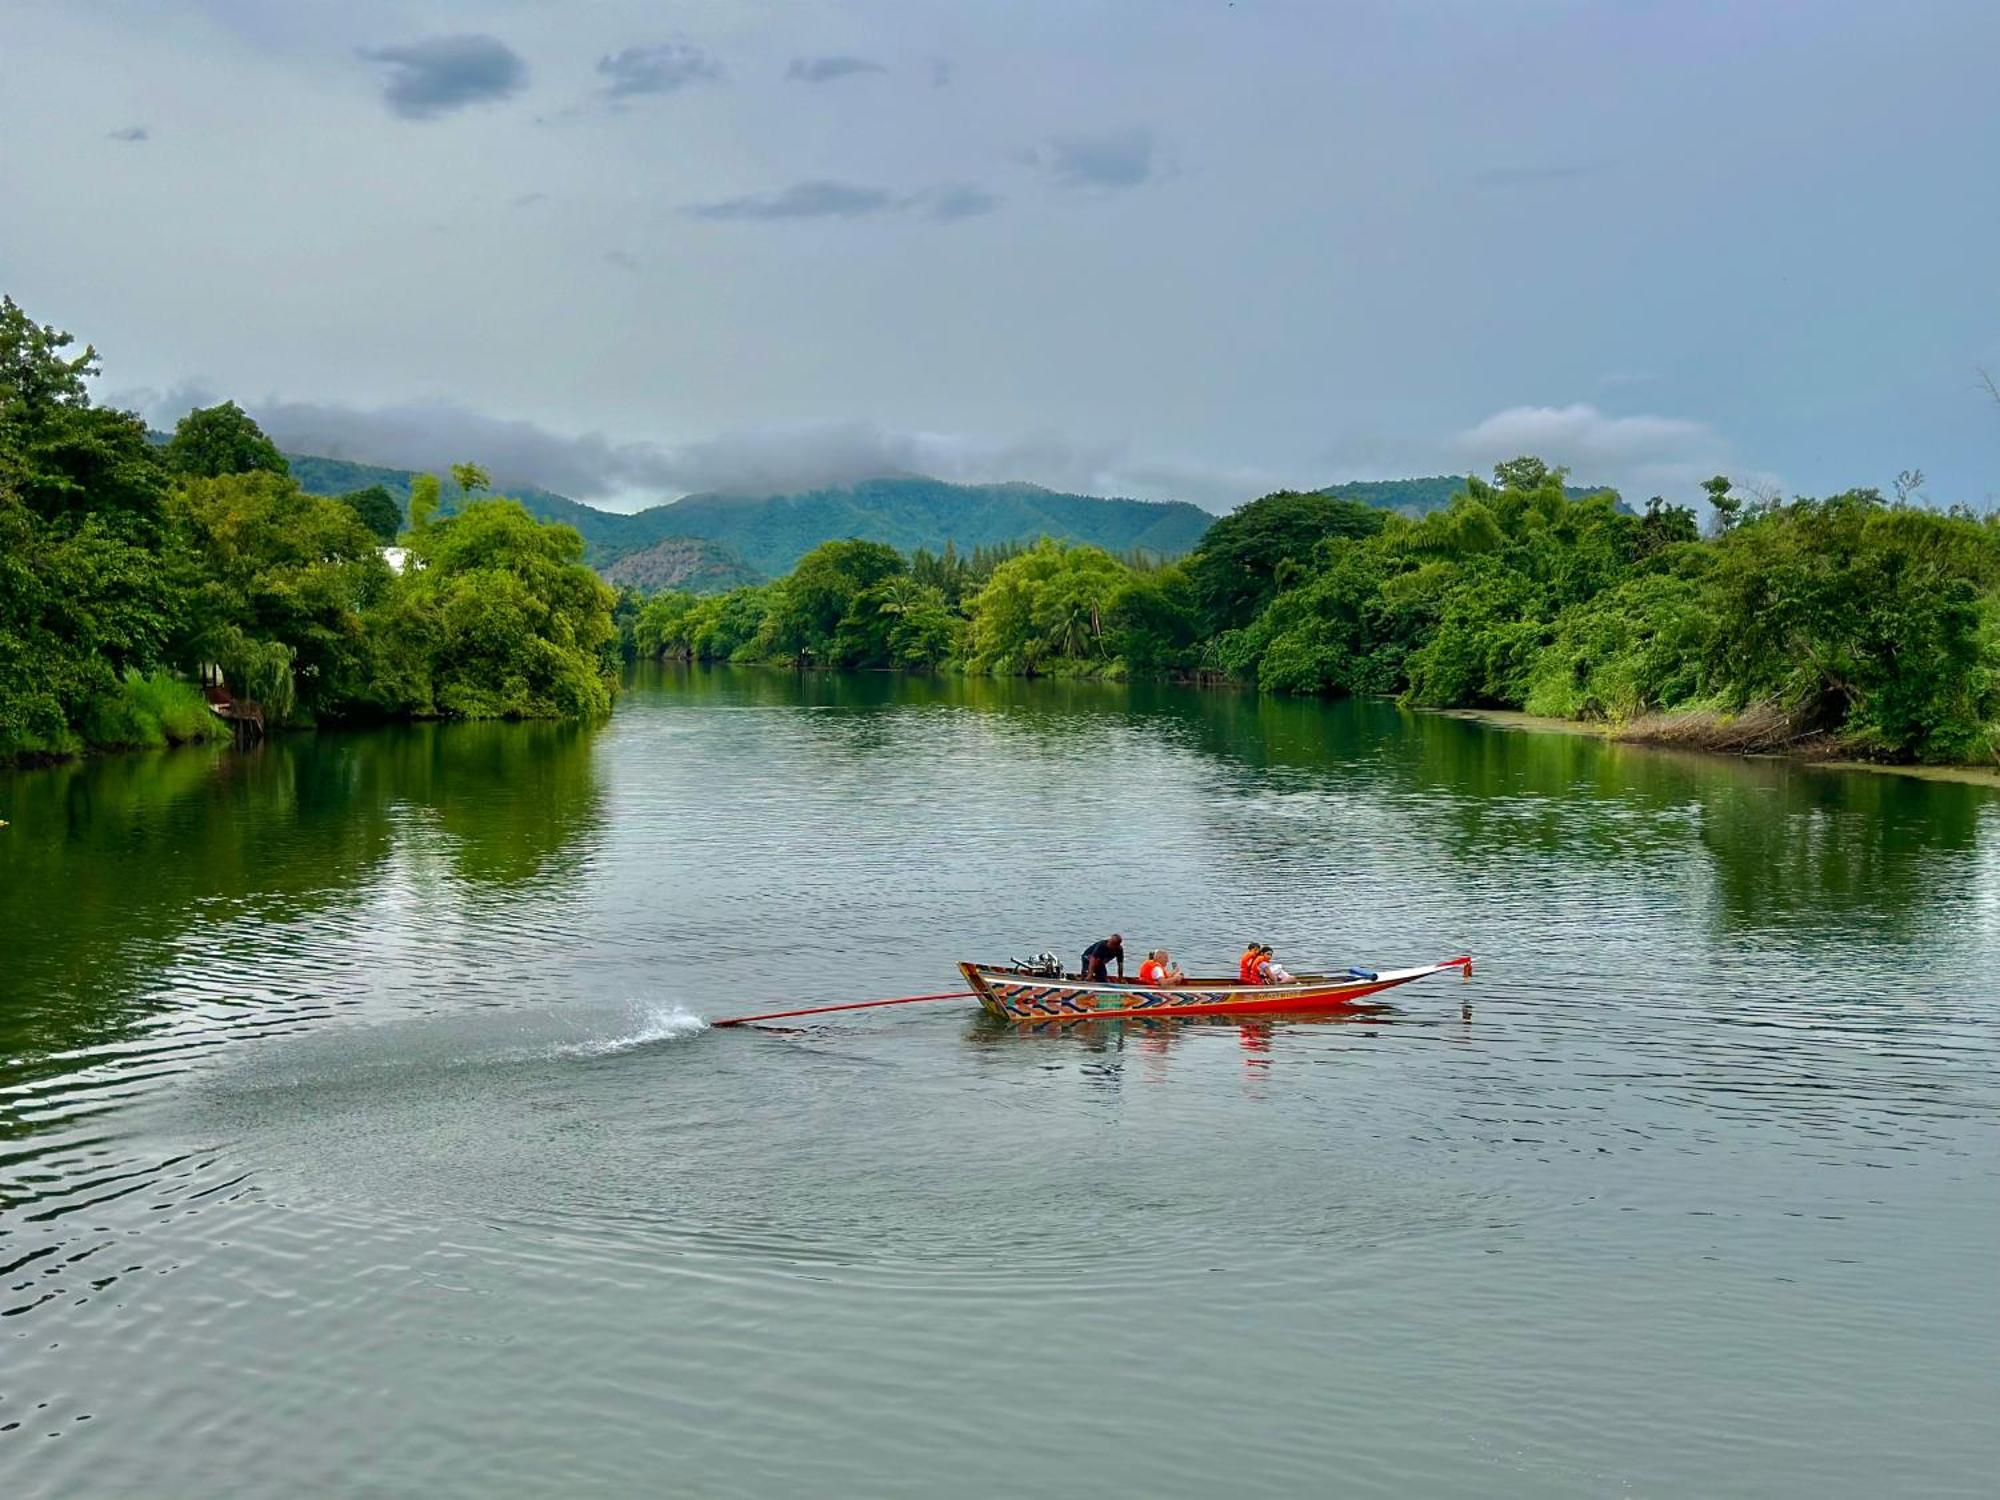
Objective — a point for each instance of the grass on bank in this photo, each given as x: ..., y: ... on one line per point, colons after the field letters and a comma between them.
x: 150, y: 711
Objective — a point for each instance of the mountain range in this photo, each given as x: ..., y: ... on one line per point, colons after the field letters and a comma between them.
x: 711, y: 542
x: 765, y: 535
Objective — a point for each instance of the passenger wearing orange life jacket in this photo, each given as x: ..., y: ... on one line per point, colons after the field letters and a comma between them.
x: 1157, y: 969
x: 1246, y: 966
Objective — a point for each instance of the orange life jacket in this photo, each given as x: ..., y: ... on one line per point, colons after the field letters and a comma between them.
x: 1152, y: 971
x: 1246, y: 967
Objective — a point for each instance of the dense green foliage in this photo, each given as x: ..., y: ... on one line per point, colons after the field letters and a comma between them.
x: 214, y: 440
x: 378, y: 511
x: 1046, y: 609
x: 496, y: 617
x: 127, y: 567
x: 1851, y: 623
x: 1258, y: 549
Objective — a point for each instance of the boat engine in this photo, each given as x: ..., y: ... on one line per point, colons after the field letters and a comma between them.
x: 1041, y: 966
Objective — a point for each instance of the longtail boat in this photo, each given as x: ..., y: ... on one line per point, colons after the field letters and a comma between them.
x: 1018, y: 993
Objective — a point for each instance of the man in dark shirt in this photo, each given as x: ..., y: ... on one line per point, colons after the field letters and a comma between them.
x: 1099, y: 956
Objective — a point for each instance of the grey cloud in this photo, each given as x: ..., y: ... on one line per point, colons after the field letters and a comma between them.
x: 1519, y: 176
x: 439, y: 74
x: 952, y: 200
x: 940, y: 72
x: 657, y: 69
x: 802, y: 200
x: 593, y: 467
x: 826, y: 69
x: 130, y: 133
x: 527, y: 200
x: 1112, y: 159
x: 429, y: 435
x: 623, y: 260
x: 944, y: 203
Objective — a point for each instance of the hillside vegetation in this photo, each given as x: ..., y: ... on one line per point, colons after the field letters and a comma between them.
x: 768, y: 534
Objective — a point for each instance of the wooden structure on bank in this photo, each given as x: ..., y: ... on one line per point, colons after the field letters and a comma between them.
x: 240, y: 714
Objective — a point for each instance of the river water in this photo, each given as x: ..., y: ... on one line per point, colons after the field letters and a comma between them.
x: 360, y: 1133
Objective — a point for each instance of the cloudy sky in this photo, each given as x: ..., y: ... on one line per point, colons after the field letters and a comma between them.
x: 1173, y: 248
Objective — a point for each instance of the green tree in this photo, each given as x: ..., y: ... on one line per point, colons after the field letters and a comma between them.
x: 820, y: 612
x: 215, y: 440
x: 1044, y: 611
x: 497, y: 617
x: 1725, y: 505
x: 661, y: 628
x: 922, y: 631
x: 1245, y: 557
x: 1152, y: 623
x: 470, y: 479
x: 378, y: 511
x: 288, y: 579
x: 93, y: 580
x: 425, y: 493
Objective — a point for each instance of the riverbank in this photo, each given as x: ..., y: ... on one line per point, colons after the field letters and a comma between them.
x: 1818, y: 755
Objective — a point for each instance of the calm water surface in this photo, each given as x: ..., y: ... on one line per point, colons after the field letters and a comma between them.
x: 359, y: 1133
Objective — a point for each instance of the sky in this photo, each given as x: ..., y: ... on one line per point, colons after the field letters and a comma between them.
x: 1160, y: 248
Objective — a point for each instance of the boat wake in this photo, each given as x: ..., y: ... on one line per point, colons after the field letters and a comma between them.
x: 659, y: 1024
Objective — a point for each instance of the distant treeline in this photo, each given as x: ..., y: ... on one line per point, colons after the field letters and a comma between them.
x: 129, y: 567
x: 1851, y: 624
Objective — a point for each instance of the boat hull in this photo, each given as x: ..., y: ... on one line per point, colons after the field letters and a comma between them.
x: 1015, y: 996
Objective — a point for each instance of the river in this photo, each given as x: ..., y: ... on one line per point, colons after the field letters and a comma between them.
x: 361, y: 1135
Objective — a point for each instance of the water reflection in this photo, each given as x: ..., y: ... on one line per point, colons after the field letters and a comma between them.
x: 156, y: 884
x: 1777, y: 841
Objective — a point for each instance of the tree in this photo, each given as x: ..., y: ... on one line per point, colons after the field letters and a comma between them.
x: 1236, y: 570
x: 1725, y: 505
x: 819, y: 613
x: 425, y: 492
x: 1152, y: 624
x: 215, y: 440
x: 1044, y: 610
x: 93, y: 579
x: 289, y: 579
x: 378, y: 511
x: 497, y: 617
x: 470, y: 479
x: 922, y: 630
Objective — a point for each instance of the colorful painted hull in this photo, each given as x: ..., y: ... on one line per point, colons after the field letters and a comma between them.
x: 1016, y: 996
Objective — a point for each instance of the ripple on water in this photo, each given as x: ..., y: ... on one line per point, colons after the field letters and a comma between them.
x: 423, y: 1153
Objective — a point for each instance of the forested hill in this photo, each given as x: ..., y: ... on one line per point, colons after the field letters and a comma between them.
x: 772, y: 532
x: 1419, y: 497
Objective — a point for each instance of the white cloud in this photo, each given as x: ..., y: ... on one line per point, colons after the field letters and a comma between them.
x: 1640, y: 456
x: 761, y: 460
